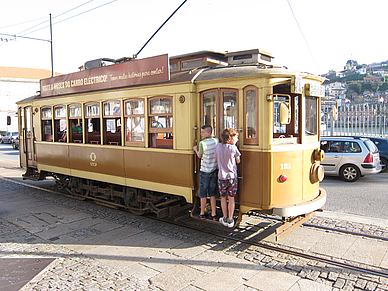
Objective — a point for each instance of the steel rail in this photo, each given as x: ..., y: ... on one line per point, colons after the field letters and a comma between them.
x: 382, y: 273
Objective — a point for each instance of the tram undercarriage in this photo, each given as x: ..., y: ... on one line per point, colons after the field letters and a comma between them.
x: 136, y: 201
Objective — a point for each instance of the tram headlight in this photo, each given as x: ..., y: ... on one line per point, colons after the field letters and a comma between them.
x: 319, y: 155
x: 317, y: 173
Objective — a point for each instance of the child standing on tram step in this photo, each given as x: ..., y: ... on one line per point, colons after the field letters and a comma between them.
x: 208, y: 170
x: 228, y: 156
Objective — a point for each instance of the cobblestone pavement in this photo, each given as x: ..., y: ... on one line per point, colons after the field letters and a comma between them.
x: 73, y: 271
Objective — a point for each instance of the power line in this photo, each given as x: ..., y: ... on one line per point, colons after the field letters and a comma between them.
x: 53, y: 17
x: 22, y: 22
x: 75, y: 15
x: 300, y: 29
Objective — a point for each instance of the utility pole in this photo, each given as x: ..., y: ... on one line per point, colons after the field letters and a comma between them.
x: 51, y: 42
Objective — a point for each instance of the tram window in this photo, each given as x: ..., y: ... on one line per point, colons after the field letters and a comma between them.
x: 160, y: 123
x: 296, y: 114
x: 277, y: 126
x: 192, y: 64
x: 60, y: 124
x: 290, y: 130
x: 311, y: 107
x: 134, y: 122
x: 47, y: 126
x: 209, y: 110
x: 250, y: 113
x: 229, y: 110
x: 112, y: 123
x: 75, y: 117
x: 92, y: 131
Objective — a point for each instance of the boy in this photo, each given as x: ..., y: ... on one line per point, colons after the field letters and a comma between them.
x: 228, y: 156
x: 208, y: 171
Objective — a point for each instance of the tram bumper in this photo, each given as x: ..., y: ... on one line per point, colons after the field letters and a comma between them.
x: 302, y: 208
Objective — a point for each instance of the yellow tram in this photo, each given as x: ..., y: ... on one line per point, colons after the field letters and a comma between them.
x: 123, y: 134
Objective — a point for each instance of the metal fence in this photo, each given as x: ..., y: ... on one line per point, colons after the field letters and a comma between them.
x: 366, y: 120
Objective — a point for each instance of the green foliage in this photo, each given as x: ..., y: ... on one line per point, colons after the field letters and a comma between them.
x: 384, y: 87
x: 356, y: 87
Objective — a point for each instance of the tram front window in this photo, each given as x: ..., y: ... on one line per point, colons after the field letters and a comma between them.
x: 290, y: 130
x: 311, y: 126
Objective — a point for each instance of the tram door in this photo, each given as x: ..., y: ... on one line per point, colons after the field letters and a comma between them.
x: 26, y: 141
x: 219, y: 108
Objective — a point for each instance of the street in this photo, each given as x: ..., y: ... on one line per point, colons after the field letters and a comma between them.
x: 365, y: 197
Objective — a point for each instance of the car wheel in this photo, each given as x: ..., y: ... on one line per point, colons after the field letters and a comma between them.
x: 350, y: 173
x: 383, y: 163
x: 14, y: 146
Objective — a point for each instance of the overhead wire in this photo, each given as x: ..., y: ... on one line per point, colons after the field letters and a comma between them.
x: 24, y: 35
x: 53, y: 18
x: 24, y: 22
x: 300, y: 29
x: 94, y: 8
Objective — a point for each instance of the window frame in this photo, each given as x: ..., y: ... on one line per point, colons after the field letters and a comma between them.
x: 134, y: 115
x: 63, y: 134
x: 248, y: 140
x: 117, y: 123
x: 45, y: 119
x: 166, y: 143
x: 71, y: 119
x: 218, y: 121
x: 95, y: 116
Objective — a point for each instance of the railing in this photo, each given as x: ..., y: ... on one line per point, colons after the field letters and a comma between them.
x: 367, y: 120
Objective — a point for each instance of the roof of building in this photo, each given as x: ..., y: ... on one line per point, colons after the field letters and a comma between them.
x: 24, y: 73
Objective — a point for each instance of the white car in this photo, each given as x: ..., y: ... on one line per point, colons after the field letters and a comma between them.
x: 9, y: 136
x: 350, y: 157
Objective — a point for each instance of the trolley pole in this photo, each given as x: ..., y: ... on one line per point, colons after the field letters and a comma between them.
x: 51, y: 42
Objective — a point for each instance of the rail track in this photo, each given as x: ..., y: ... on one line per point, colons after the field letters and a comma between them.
x: 250, y: 234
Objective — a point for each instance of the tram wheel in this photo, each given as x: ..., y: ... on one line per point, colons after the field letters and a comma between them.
x: 350, y: 173
x: 132, y: 200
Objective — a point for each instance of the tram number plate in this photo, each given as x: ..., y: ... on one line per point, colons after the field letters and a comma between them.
x: 285, y: 166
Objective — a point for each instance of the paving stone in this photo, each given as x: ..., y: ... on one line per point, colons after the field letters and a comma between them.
x: 339, y: 283
x: 270, y: 280
x: 176, y: 278
x: 305, y: 284
x: 219, y: 280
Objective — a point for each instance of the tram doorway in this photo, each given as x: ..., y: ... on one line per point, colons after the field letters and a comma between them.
x: 26, y: 143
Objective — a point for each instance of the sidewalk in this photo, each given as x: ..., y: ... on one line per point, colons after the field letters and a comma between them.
x: 62, y: 243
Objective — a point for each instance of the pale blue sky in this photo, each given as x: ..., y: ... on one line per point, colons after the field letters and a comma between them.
x: 335, y: 31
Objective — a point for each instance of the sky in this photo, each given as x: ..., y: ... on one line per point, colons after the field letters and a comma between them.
x: 308, y: 35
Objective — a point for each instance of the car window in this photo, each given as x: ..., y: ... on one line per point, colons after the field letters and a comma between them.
x: 351, y: 147
x: 371, y: 146
x: 334, y: 147
x: 324, y: 145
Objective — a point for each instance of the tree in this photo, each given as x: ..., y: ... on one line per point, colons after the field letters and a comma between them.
x: 384, y: 87
x: 356, y: 87
x: 350, y: 65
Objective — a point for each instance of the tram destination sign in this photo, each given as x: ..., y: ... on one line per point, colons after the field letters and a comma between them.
x: 143, y: 71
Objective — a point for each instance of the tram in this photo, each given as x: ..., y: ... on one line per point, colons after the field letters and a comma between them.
x: 121, y: 132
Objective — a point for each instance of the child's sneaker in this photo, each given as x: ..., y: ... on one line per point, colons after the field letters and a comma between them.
x: 224, y: 221
x: 214, y: 217
x: 202, y: 216
x: 230, y: 223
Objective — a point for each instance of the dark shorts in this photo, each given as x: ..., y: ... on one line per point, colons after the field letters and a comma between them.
x: 208, y: 184
x: 228, y: 187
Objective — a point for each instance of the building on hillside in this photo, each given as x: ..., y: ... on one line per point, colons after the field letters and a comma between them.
x: 372, y: 79
x: 336, y: 90
x: 17, y: 84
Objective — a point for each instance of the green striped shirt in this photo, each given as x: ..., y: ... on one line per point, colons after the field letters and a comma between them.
x: 206, y: 149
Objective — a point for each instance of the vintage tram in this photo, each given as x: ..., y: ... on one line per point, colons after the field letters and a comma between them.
x: 122, y: 134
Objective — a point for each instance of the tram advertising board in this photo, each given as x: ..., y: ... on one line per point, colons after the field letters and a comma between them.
x: 136, y: 72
